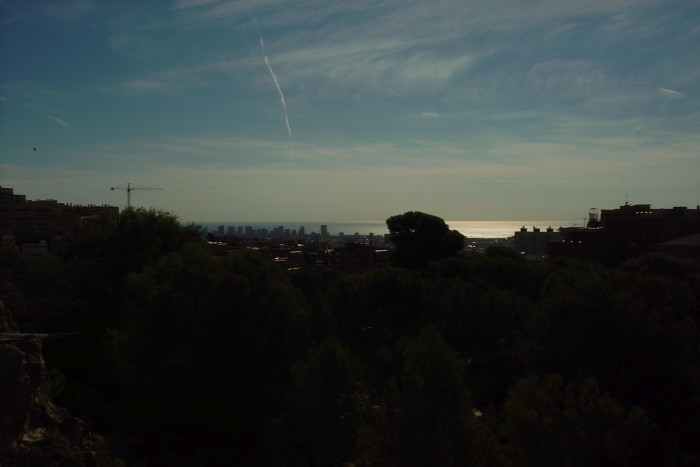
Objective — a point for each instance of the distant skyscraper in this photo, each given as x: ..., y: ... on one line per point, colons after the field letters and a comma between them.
x: 324, y: 231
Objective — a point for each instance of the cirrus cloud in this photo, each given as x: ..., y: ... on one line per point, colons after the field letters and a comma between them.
x: 60, y: 121
x: 670, y: 93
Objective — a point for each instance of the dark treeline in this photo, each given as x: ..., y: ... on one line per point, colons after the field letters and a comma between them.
x: 184, y: 358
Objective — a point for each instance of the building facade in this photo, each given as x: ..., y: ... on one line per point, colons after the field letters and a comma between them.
x: 358, y: 257
x: 630, y: 231
x: 534, y: 244
x: 31, y: 221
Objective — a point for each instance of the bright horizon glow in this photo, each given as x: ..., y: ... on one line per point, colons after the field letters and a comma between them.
x: 526, y: 223
x: 352, y: 110
x: 470, y: 229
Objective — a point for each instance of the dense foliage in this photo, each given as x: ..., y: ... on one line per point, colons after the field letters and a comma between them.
x: 187, y: 358
x: 421, y: 238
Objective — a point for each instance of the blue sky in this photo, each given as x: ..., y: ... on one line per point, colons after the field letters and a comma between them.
x: 326, y: 110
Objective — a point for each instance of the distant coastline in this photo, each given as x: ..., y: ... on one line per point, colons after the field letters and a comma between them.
x: 471, y: 229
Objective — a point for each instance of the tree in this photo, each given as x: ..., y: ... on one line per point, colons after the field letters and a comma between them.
x: 203, y: 354
x: 324, y: 406
x: 421, y: 238
x: 141, y: 236
x: 547, y: 422
x: 495, y: 251
x: 425, y: 417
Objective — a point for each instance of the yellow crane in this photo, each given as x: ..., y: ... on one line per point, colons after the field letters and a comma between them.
x: 129, y: 189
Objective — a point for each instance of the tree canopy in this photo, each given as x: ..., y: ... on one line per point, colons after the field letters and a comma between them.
x: 190, y: 358
x: 421, y: 238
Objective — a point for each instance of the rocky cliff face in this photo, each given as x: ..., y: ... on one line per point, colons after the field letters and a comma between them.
x: 7, y: 323
x: 33, y: 431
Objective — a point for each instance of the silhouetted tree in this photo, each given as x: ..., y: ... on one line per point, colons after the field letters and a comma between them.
x: 379, y: 308
x: 221, y: 360
x: 499, y: 250
x: 549, y: 423
x: 426, y: 415
x: 205, y: 349
x: 324, y: 406
x: 420, y: 238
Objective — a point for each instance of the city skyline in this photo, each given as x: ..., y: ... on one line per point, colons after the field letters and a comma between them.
x: 263, y: 110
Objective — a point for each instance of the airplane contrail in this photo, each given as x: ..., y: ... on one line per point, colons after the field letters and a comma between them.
x: 279, y: 90
x: 274, y: 78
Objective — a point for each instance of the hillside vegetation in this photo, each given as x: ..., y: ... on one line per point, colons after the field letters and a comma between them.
x: 184, y: 358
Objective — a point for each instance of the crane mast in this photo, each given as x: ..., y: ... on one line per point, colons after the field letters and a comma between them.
x: 129, y: 188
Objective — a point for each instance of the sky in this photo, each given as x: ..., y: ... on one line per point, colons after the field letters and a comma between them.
x: 257, y: 110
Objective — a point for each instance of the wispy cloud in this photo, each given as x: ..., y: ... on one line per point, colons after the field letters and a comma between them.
x: 34, y: 91
x: 409, y: 49
x: 145, y: 86
x: 475, y: 173
x: 188, y: 76
x: 385, y: 69
x: 61, y: 122
x: 670, y: 93
x: 3, y: 99
x: 180, y: 4
x: 72, y: 11
x: 148, y: 85
x: 410, y: 102
x: 570, y: 77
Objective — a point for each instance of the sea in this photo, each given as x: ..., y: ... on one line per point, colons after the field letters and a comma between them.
x: 470, y: 229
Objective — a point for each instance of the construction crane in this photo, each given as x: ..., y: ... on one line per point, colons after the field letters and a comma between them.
x: 129, y: 189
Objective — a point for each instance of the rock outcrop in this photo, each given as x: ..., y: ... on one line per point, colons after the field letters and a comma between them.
x: 7, y: 322
x: 33, y: 431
